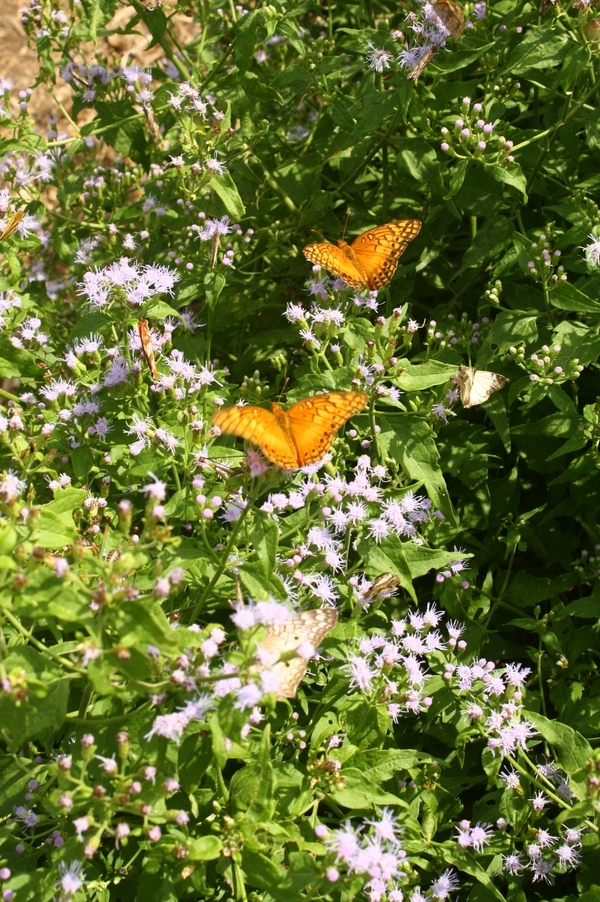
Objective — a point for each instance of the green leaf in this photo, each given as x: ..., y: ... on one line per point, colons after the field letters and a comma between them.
x: 225, y: 188
x: 121, y: 126
x: 360, y: 792
x: 88, y: 324
x: 264, y: 539
x: 539, y: 48
x: 417, y: 377
x: 420, y: 160
x: 512, y: 175
x: 384, y: 764
x: 567, y: 297
x: 493, y: 236
x: 252, y: 789
x: 82, y: 460
x: 459, y: 59
x: 376, y: 107
x: 575, y: 62
x: 457, y: 177
x: 405, y: 559
x: 412, y: 444
x: 16, y: 362
x: 205, y: 848
x: 264, y: 19
x: 42, y: 709
x: 54, y: 529
x: 260, y: 871
x: 592, y: 129
x: 572, y: 751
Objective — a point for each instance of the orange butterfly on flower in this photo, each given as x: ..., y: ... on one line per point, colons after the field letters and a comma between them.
x: 371, y: 260
x: 295, y: 437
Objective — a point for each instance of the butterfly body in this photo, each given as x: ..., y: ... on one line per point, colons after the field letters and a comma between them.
x: 371, y: 260
x: 295, y: 437
x: 476, y: 386
x: 307, y: 626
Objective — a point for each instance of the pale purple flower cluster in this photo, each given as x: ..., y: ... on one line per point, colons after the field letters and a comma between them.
x: 461, y: 334
x: 188, y: 100
x: 127, y: 281
x: 544, y: 265
x: 86, y: 79
x: 469, y: 135
x: 374, y: 850
x: 546, y: 855
x: 592, y: 251
x: 543, y: 366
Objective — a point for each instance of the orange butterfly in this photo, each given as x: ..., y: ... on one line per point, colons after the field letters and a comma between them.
x: 12, y: 225
x: 295, y: 437
x: 371, y: 260
x: 148, y: 347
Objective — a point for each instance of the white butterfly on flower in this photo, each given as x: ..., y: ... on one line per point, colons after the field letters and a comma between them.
x: 476, y: 386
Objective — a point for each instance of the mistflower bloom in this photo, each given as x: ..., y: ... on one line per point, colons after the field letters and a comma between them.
x: 11, y: 487
x: 378, y: 58
x: 512, y: 864
x: 26, y: 816
x: 444, y: 885
x: 214, y: 166
x: 539, y: 801
x: 592, y: 251
x: 72, y: 877
x: 362, y: 674
x: 510, y: 778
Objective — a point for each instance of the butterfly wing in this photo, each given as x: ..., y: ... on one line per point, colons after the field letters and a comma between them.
x: 313, y: 422
x: 378, y: 250
x: 260, y: 427
x: 383, y: 586
x: 451, y: 15
x: 476, y: 386
x: 307, y: 626
x: 335, y: 260
x: 148, y: 347
x: 12, y: 225
x: 420, y: 65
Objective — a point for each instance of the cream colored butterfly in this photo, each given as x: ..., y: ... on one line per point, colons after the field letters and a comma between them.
x: 307, y: 626
x: 476, y: 386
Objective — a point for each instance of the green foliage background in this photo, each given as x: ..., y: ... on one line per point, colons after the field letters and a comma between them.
x: 517, y: 480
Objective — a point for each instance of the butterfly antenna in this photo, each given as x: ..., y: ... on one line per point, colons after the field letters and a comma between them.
x: 346, y: 224
x: 282, y: 390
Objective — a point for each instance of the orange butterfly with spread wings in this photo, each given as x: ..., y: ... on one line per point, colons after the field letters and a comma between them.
x: 371, y: 260
x: 296, y: 437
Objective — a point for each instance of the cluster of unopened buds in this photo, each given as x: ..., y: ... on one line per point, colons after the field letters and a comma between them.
x: 589, y: 562
x: 471, y: 135
x: 493, y: 294
x: 544, y: 266
x: 461, y: 333
x: 542, y: 365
